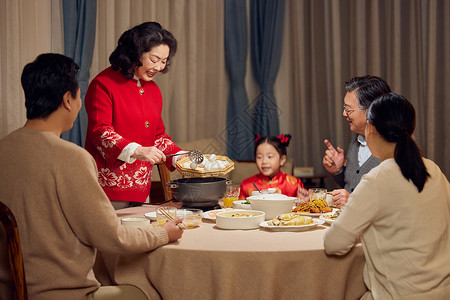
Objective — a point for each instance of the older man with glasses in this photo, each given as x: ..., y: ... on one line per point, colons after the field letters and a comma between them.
x: 361, y: 92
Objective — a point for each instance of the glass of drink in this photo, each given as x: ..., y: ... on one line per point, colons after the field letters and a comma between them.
x: 161, y: 219
x: 318, y: 194
x: 231, y: 195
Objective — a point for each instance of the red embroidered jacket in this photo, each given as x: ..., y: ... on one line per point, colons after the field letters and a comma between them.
x: 284, y: 184
x: 119, y: 112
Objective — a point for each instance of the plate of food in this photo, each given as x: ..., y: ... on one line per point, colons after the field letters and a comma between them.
x: 312, y: 208
x: 331, y: 216
x: 211, y: 214
x: 291, y: 222
x: 308, y: 214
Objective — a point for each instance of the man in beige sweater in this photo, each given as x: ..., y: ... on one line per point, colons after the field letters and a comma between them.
x: 51, y: 186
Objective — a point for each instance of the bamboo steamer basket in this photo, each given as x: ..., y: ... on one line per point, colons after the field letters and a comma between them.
x: 201, y: 172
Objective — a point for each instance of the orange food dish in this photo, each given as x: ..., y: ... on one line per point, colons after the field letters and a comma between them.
x: 315, y: 206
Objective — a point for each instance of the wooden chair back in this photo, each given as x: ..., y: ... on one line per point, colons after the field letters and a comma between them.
x: 19, y: 285
x: 164, y: 174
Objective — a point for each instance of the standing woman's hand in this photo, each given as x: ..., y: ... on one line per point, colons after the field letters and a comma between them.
x: 150, y: 154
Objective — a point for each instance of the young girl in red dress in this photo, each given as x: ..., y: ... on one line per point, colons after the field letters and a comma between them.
x: 270, y: 156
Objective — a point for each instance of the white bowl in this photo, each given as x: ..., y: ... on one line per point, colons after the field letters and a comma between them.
x: 272, y: 204
x: 240, y: 205
x: 136, y: 222
x: 239, y: 219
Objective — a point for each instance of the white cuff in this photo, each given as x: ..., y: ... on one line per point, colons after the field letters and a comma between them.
x: 126, y: 153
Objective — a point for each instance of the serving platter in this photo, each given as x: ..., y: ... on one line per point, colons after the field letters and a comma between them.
x: 315, y: 223
x: 200, y: 171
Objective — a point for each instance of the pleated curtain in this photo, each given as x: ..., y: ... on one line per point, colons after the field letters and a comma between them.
x: 240, y: 134
x: 266, y: 30
x: 79, y: 38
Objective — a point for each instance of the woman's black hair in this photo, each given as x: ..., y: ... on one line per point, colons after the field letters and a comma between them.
x: 138, y: 40
x: 394, y: 118
x: 45, y: 81
x: 280, y: 143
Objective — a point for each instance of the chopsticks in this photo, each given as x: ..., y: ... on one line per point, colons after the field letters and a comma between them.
x: 170, y: 217
x: 254, y: 184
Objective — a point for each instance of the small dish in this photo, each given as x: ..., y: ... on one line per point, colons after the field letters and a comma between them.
x: 292, y: 228
x: 330, y: 217
x: 151, y: 215
x: 191, y: 217
x: 241, y: 204
x: 137, y: 222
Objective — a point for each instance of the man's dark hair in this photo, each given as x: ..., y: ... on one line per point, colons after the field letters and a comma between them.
x: 367, y: 89
x: 45, y: 81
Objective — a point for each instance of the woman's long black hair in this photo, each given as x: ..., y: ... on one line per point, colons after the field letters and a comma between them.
x: 138, y: 40
x: 394, y: 118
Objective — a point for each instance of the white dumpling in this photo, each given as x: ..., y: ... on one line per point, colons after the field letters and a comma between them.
x: 219, y: 164
x: 212, y: 158
x: 225, y: 163
x: 215, y: 165
x: 193, y: 166
x: 208, y: 166
x: 186, y: 165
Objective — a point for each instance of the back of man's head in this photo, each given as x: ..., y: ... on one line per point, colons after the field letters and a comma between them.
x: 45, y: 81
x: 367, y: 89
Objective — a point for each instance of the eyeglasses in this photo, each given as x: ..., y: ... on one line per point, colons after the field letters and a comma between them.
x: 349, y: 110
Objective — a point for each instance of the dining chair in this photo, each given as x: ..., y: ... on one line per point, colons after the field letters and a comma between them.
x: 164, y: 174
x: 19, y: 285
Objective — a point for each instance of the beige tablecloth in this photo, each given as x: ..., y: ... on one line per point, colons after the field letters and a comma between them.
x: 211, y: 263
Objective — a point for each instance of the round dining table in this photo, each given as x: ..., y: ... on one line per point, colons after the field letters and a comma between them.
x: 213, y: 263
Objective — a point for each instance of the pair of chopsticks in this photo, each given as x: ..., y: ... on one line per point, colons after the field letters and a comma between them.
x: 170, y: 217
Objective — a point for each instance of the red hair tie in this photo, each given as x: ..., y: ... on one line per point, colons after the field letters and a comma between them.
x: 283, y: 139
x: 258, y: 137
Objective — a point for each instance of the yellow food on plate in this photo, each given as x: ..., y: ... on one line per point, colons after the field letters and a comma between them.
x: 290, y: 219
x: 315, y: 206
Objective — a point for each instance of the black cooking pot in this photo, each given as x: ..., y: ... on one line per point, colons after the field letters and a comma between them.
x: 197, y: 191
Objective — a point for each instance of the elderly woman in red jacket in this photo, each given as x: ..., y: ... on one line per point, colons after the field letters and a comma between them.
x: 126, y: 134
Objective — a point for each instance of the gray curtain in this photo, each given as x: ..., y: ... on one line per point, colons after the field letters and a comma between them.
x: 79, y: 39
x: 266, y: 29
x: 239, y: 123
